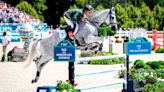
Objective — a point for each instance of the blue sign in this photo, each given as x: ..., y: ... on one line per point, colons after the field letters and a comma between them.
x: 64, y: 51
x: 9, y: 27
x: 139, y: 46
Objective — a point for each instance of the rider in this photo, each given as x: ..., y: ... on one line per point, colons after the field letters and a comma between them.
x: 74, y: 16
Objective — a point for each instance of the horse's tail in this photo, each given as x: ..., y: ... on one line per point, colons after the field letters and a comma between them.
x: 31, y: 54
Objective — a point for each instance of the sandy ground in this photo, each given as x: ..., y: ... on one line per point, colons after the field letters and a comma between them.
x: 15, y: 78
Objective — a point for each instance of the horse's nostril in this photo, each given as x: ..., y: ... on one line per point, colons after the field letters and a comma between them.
x: 113, y: 28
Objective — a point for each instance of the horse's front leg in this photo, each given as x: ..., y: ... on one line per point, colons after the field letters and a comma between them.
x: 40, y: 63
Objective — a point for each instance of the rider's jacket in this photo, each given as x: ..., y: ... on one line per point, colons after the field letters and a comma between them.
x: 74, y: 15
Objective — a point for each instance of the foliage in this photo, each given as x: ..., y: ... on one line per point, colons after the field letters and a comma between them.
x: 133, y: 17
x: 40, y: 7
x: 158, y: 66
x: 160, y: 73
x: 144, y: 76
x: 65, y: 86
x: 140, y: 64
x: 159, y: 50
x: 104, y: 61
x: 147, y: 77
x: 26, y: 7
x: 138, y: 61
x: 121, y: 73
x: 154, y: 65
x: 157, y: 87
x: 149, y: 12
x: 107, y: 61
x: 122, y: 17
x: 81, y: 3
x: 158, y: 13
x: 99, y: 7
x: 105, y: 30
x: 98, y: 54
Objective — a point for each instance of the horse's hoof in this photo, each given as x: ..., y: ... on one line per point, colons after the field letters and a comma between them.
x: 33, y: 81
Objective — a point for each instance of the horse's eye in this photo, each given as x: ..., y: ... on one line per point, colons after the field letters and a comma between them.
x: 112, y: 18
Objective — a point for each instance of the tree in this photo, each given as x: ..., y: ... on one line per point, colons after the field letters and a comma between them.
x: 161, y: 3
x: 134, y: 14
x: 81, y: 3
x: 145, y: 16
x: 123, y: 20
x: 151, y: 3
x: 158, y: 13
x: 26, y: 7
x: 136, y: 3
x: 99, y: 7
x: 40, y: 7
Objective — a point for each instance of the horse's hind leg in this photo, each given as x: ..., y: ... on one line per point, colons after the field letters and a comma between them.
x: 40, y: 63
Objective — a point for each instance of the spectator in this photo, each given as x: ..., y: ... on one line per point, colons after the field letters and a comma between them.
x: 5, y: 43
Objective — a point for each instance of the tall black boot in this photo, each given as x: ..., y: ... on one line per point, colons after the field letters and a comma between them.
x: 3, y: 58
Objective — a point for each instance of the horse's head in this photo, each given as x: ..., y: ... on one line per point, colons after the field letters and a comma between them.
x: 104, y: 16
x: 111, y: 19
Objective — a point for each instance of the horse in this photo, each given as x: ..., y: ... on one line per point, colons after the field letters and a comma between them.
x: 42, y: 50
x: 88, y: 30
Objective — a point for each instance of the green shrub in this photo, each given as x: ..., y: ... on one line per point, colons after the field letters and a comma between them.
x: 160, y: 73
x: 107, y: 61
x: 154, y: 65
x: 104, y: 61
x: 68, y: 87
x: 157, y: 87
x: 160, y: 50
x: 105, y: 30
x: 98, y: 54
x: 144, y: 76
x: 146, y: 67
x: 162, y: 67
x: 121, y: 73
x: 139, y: 64
x: 161, y: 63
x: 137, y: 61
x: 150, y: 79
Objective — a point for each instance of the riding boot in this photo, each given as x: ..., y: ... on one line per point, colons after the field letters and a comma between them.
x: 68, y: 29
x: 3, y: 58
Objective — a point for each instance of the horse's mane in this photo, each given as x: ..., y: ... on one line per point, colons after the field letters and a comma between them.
x: 97, y: 14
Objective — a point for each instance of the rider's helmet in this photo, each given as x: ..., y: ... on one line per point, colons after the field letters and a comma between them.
x: 87, y: 7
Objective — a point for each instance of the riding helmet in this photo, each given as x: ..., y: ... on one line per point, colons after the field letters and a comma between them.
x: 88, y: 7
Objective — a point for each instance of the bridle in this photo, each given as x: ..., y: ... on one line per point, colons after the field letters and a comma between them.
x: 110, y: 17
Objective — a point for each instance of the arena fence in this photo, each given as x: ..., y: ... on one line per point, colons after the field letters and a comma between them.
x: 99, y: 72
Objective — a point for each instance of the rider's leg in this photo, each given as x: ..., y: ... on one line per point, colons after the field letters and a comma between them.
x: 76, y: 27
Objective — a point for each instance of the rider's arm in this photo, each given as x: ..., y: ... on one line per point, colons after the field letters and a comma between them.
x: 67, y: 14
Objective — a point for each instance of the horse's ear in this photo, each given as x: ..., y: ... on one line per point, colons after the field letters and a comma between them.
x: 113, y: 9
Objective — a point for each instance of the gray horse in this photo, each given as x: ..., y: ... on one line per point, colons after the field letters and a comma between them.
x: 42, y: 50
x: 88, y: 30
